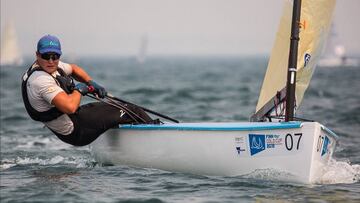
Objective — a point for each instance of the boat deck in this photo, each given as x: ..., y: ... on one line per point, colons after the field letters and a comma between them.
x: 240, y: 126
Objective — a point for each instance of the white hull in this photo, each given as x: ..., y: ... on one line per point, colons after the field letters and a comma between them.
x: 221, y: 149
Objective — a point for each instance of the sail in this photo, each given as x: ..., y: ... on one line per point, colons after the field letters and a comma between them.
x: 334, y: 54
x: 315, y: 21
x: 333, y: 47
x: 142, y: 50
x: 10, y: 53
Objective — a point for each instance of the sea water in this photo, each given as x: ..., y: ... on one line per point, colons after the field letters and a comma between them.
x: 36, y: 167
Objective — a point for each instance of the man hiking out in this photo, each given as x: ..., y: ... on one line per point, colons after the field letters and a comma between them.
x: 51, y: 97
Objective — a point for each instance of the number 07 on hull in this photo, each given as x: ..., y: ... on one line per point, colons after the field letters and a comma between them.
x: 301, y: 149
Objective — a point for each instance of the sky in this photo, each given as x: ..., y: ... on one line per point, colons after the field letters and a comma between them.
x: 171, y: 27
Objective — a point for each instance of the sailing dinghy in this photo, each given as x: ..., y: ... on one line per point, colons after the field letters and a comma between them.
x: 274, y: 139
x: 335, y: 53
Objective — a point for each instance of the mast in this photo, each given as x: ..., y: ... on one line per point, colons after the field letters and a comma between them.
x: 292, y: 65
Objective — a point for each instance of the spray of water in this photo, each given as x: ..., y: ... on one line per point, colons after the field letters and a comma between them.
x: 78, y: 162
x: 340, y: 172
x: 336, y: 172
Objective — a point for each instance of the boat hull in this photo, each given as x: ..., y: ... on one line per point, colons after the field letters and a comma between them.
x: 221, y: 149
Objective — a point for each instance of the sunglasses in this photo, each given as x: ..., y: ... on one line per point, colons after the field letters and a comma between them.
x: 48, y: 56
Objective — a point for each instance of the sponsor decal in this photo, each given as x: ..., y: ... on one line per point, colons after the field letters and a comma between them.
x: 325, y: 147
x: 256, y: 143
x: 49, y: 44
x: 307, y: 58
x: 239, y: 150
x: 50, y: 90
x: 240, y: 145
x: 273, y: 140
x: 239, y: 139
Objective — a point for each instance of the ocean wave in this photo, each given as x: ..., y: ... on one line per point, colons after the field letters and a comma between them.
x: 146, y: 91
x: 79, y: 162
x: 41, y: 142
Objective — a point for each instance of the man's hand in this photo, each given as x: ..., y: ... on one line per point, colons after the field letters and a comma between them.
x: 98, y: 89
x: 82, y: 88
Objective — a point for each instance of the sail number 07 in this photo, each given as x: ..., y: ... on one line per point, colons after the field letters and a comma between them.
x: 291, y: 139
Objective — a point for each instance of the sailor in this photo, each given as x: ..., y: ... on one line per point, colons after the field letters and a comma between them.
x: 50, y: 96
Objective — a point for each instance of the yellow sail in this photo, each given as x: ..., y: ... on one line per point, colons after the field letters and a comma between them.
x: 315, y: 22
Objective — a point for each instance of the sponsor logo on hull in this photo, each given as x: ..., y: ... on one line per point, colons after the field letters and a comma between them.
x: 325, y: 147
x: 256, y: 143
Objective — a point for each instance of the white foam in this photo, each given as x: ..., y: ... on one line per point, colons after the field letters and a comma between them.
x: 4, y: 166
x: 271, y: 175
x: 340, y: 172
x: 336, y: 172
x: 80, y: 162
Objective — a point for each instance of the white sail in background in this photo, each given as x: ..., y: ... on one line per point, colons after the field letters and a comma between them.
x: 334, y: 54
x: 142, y: 50
x: 10, y: 52
x: 315, y: 24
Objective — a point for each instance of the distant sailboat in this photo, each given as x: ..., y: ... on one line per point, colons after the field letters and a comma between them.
x: 335, y: 53
x: 142, y: 50
x: 10, y: 52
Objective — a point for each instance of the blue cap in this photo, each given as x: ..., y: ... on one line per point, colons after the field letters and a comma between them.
x: 49, y: 43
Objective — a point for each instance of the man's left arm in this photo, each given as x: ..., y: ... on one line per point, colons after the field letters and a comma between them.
x: 79, y: 74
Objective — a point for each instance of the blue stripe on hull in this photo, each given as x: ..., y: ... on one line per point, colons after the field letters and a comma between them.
x: 246, y: 126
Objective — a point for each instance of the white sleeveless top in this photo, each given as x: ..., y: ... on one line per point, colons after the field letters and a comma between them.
x: 41, y: 89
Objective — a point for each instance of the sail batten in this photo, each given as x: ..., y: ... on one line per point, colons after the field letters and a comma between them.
x: 315, y: 24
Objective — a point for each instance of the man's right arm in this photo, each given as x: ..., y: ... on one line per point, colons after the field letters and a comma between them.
x: 47, y: 88
x: 67, y: 103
